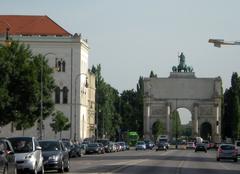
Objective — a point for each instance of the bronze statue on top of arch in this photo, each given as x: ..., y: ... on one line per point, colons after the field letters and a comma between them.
x: 182, y: 67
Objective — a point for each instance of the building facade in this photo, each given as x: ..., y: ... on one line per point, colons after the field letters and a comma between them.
x: 67, y: 54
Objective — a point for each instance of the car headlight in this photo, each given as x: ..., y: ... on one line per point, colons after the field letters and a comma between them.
x: 29, y: 156
x: 53, y: 157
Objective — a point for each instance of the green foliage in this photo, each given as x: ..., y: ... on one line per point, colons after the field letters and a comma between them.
x: 107, y: 107
x: 20, y: 86
x: 60, y: 123
x: 176, y: 124
x: 157, y: 129
x: 231, y: 117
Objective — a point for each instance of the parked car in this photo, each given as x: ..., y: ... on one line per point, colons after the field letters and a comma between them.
x: 161, y: 146
x: 83, y: 148
x: 7, y: 158
x: 112, y: 147
x: 75, y: 151
x: 149, y: 144
x: 141, y: 145
x: 106, y: 144
x: 68, y: 143
x: 123, y: 145
x: 101, y: 147
x: 93, y: 148
x: 28, y: 154
x: 55, y: 155
x: 201, y: 147
x: 237, y: 144
x: 227, y: 151
x: 190, y: 145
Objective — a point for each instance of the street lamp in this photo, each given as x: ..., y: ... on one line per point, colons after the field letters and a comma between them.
x: 75, y: 104
x: 41, y: 102
x: 7, y: 41
x: 219, y: 42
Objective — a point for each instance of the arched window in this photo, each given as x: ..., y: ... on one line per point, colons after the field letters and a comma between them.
x: 63, y: 66
x: 65, y: 95
x: 57, y: 95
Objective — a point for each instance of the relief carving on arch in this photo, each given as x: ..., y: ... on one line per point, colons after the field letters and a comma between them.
x: 158, y: 110
x: 206, y: 110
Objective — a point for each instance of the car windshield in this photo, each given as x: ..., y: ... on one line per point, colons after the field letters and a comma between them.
x: 22, y: 144
x: 49, y: 145
x: 67, y: 144
x: 92, y: 145
x: 227, y: 147
x: 141, y: 143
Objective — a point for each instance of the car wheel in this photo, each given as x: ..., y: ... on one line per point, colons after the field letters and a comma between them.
x: 34, y: 171
x: 5, y: 170
x: 61, y: 169
x: 235, y: 159
x: 218, y: 159
x: 66, y: 169
x: 42, y: 170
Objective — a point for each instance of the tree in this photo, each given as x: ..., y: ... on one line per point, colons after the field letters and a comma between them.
x: 60, y: 123
x: 157, y: 129
x: 107, y: 107
x: 20, y: 86
x: 176, y: 124
x: 231, y: 116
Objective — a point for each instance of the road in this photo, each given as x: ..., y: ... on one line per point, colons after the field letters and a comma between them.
x: 151, y: 162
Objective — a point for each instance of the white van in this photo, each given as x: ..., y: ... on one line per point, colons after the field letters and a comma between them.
x: 237, y: 144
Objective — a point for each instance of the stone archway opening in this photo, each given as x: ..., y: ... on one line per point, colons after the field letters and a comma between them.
x: 185, y: 117
x: 206, y: 131
x: 181, y: 124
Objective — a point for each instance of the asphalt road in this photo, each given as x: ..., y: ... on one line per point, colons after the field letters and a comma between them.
x: 151, y: 162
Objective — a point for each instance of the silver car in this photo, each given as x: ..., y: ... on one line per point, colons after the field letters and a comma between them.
x: 141, y: 145
x: 28, y: 154
x: 227, y: 151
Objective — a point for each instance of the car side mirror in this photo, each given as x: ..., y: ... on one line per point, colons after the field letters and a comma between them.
x: 10, y: 152
x: 38, y: 148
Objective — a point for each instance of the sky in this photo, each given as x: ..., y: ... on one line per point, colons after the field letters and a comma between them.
x: 129, y: 38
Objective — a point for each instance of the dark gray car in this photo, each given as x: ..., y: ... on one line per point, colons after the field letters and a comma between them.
x: 55, y: 155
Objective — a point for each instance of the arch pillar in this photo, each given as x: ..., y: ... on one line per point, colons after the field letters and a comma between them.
x: 217, y: 123
x: 168, y: 113
x: 195, y: 119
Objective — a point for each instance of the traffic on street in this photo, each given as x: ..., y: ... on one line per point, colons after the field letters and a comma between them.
x: 151, y: 161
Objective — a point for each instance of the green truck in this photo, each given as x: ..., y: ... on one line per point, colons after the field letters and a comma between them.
x: 132, y: 138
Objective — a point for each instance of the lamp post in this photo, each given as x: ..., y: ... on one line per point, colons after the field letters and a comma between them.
x: 75, y: 104
x: 41, y: 94
x: 7, y: 41
x: 219, y: 42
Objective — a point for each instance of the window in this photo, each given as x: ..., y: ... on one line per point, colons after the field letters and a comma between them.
x: 65, y: 95
x: 63, y: 66
x: 60, y: 65
x: 57, y: 95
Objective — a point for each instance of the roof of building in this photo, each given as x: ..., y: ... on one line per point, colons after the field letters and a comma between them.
x: 30, y: 25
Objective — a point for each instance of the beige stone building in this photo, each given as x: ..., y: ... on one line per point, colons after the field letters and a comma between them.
x: 68, y: 54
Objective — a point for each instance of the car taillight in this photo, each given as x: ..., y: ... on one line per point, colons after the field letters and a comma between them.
x: 220, y: 150
x: 236, y: 151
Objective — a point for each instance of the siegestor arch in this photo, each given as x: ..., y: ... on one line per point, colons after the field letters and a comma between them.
x: 201, y: 96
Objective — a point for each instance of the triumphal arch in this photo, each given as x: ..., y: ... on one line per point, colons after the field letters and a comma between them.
x: 182, y: 89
